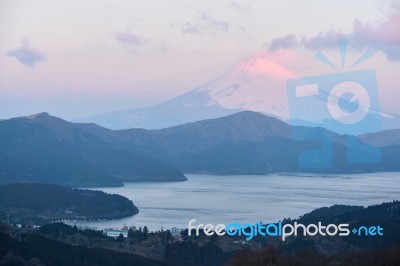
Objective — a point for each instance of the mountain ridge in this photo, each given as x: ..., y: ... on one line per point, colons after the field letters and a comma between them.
x: 382, y: 138
x: 248, y: 143
x: 242, y: 143
x: 245, y: 125
x: 43, y: 148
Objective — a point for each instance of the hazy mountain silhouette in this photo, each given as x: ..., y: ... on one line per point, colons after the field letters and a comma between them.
x: 246, y: 143
x: 43, y: 148
x: 382, y: 138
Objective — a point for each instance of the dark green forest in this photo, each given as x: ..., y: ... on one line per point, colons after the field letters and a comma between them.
x: 33, y: 249
x: 41, y: 203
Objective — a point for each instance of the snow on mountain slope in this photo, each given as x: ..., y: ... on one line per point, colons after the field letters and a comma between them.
x: 256, y: 84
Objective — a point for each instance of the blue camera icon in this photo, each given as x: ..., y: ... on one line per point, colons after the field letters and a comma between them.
x: 346, y: 103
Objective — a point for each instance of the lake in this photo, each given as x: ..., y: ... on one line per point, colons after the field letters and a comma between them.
x: 246, y: 198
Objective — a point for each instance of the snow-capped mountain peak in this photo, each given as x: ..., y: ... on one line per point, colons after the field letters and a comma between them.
x: 256, y: 84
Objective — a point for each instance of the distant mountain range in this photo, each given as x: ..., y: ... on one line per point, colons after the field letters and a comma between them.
x: 43, y: 148
x: 382, y: 138
x: 47, y: 149
x: 252, y: 143
x: 255, y: 84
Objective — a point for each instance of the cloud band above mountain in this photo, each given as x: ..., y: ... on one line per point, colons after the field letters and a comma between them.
x: 383, y: 36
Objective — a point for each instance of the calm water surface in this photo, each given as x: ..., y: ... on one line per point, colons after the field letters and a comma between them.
x: 225, y: 199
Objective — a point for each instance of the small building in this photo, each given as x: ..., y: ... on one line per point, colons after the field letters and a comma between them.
x: 115, y: 232
x: 175, y: 231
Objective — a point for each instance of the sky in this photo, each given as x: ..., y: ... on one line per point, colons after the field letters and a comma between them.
x: 80, y: 58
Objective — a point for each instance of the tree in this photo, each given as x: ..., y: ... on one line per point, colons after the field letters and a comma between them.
x: 131, y: 233
x: 121, y: 238
x: 213, y: 238
x: 145, y: 231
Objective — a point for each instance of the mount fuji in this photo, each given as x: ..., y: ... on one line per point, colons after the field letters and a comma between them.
x: 256, y: 84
